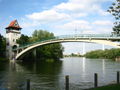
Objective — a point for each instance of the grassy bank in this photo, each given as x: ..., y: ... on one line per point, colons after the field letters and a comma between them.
x: 108, y: 87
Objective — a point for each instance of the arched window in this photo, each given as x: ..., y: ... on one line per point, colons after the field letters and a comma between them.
x: 14, y: 47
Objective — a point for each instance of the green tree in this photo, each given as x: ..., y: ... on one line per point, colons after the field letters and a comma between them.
x: 114, y: 9
x: 108, y: 54
x: 52, y: 51
x: 24, y: 39
x: 2, y: 46
x: 41, y: 35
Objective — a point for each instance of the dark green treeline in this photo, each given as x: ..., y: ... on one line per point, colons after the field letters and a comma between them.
x: 108, y: 54
x: 51, y: 51
x: 2, y: 47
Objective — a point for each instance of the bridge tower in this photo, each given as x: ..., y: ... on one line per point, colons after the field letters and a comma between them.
x: 13, y: 32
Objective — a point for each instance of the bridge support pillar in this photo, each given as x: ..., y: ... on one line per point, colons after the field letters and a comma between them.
x: 83, y: 48
x: 103, y: 47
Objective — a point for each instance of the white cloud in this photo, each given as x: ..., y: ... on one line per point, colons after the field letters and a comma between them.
x: 82, y: 6
x: 78, y: 15
x: 76, y: 24
x: 48, y: 16
x: 103, y: 13
x: 103, y: 23
x: 67, y: 11
x: 104, y: 30
x: 70, y: 6
x: 66, y: 17
x: 84, y: 27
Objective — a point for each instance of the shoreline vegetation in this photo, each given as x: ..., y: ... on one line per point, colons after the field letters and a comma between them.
x: 113, y: 53
x: 73, y: 55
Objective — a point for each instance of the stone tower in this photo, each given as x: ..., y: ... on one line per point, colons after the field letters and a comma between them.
x: 13, y: 32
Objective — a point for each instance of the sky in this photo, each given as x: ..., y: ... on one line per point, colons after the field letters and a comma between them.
x: 62, y: 17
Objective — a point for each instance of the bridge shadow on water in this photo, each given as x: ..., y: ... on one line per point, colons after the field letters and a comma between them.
x: 44, y: 75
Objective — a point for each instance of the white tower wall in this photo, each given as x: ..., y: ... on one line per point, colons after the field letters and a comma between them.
x: 12, y: 34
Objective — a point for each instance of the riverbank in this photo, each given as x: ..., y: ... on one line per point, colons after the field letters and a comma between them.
x: 106, y: 54
x: 108, y: 87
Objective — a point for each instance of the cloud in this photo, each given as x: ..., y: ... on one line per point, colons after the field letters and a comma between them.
x: 74, y: 27
x: 69, y: 10
x: 84, y: 27
x: 64, y: 18
x: 48, y: 16
x: 69, y: 6
x: 102, y: 26
x: 76, y: 24
x: 82, y: 6
x: 103, y: 23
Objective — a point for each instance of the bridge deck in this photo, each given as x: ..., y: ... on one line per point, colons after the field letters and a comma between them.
x: 74, y: 37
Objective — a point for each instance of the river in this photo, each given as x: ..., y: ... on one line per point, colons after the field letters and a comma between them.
x: 51, y: 75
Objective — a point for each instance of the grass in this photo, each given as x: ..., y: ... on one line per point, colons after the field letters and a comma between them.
x: 108, y: 87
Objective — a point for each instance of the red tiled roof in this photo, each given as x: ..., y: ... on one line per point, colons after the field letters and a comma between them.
x: 14, y: 24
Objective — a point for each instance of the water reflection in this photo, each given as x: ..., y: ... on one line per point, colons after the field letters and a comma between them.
x: 50, y: 75
x: 43, y: 75
x: 83, y: 64
x: 103, y: 66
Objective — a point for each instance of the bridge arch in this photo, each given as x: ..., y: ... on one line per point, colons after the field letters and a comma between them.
x: 106, y: 42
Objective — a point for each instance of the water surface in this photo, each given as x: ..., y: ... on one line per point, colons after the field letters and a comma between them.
x: 51, y: 75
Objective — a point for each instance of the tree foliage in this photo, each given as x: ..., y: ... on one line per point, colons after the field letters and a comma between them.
x: 2, y: 46
x: 51, y: 51
x: 24, y: 39
x: 108, y: 54
x: 114, y: 9
x: 54, y: 51
x: 41, y: 35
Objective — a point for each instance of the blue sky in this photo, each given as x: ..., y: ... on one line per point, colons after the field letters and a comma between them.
x: 58, y: 16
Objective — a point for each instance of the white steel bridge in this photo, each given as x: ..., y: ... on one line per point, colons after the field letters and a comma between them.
x: 105, y: 39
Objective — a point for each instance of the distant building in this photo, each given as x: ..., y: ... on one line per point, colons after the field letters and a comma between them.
x: 13, y: 32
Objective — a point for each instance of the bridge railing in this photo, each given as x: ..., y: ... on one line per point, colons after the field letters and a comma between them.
x: 69, y: 37
x: 35, y: 42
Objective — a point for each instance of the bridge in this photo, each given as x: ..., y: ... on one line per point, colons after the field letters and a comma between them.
x: 106, y: 39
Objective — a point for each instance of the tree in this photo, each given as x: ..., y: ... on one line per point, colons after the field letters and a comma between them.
x: 24, y: 39
x: 2, y: 46
x: 41, y: 35
x: 52, y: 51
x: 114, y: 9
x: 108, y: 53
